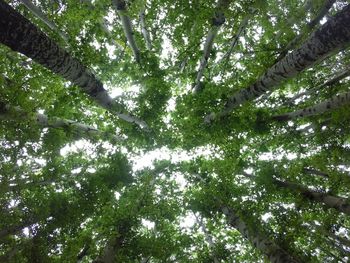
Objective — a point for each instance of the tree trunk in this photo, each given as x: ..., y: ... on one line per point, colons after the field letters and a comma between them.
x: 21, y: 35
x: 37, y: 12
x: 330, y: 201
x: 120, y: 7
x: 241, y: 29
x: 339, y: 76
x: 208, y: 237
x: 217, y: 21
x: 14, y: 229
x: 144, y: 30
x: 16, y: 113
x: 333, y: 103
x: 330, y: 37
x: 315, y: 172
x: 310, y: 26
x: 272, y: 251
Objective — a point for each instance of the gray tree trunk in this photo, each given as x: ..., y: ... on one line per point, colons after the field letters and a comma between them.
x: 217, y: 22
x: 144, y: 29
x: 310, y: 26
x: 37, y: 12
x: 338, y: 76
x: 330, y: 37
x: 120, y: 7
x: 332, y: 103
x: 271, y: 250
x: 17, y: 114
x: 21, y: 35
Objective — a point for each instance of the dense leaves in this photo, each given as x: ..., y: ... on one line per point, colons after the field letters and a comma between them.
x: 246, y: 187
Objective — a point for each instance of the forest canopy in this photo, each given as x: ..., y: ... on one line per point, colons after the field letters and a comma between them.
x: 174, y: 131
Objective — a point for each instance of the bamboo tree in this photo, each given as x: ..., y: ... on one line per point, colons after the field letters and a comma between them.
x: 15, y: 113
x: 217, y: 21
x: 334, y: 102
x: 329, y: 38
x: 120, y: 7
x: 30, y: 41
x: 39, y: 14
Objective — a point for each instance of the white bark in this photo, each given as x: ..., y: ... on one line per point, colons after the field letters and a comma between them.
x: 239, y: 33
x: 37, y: 12
x: 330, y: 104
x: 310, y: 26
x: 208, y: 237
x: 330, y: 37
x: 339, y: 76
x: 120, y: 7
x: 16, y: 113
x: 144, y: 29
x: 218, y: 21
x: 263, y: 243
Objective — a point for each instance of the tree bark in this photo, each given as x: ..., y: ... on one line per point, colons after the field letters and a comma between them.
x: 309, y: 27
x: 330, y: 201
x: 315, y: 172
x: 332, y: 103
x: 339, y: 76
x: 144, y: 30
x: 330, y: 37
x: 37, y: 12
x: 120, y: 7
x: 16, y: 113
x: 21, y: 35
x: 217, y: 21
x: 272, y: 251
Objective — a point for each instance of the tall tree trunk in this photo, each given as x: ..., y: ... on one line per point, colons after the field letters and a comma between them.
x: 144, y: 30
x: 239, y: 33
x: 208, y: 237
x: 338, y: 76
x: 334, y: 102
x: 309, y: 27
x: 17, y: 114
x: 217, y: 21
x: 14, y: 229
x: 330, y: 37
x: 271, y: 250
x: 37, y: 12
x: 21, y: 35
x: 120, y: 7
x: 268, y: 247
x: 330, y: 201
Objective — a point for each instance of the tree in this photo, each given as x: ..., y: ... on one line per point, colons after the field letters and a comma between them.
x: 107, y: 154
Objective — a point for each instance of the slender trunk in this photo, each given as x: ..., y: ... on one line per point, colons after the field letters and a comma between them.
x: 330, y: 37
x: 309, y: 27
x: 272, y: 251
x: 218, y: 21
x: 120, y: 7
x: 315, y: 172
x: 16, y: 113
x: 144, y: 30
x: 239, y: 33
x: 37, y: 12
x: 14, y: 229
x: 339, y: 76
x: 208, y: 238
x: 334, y: 102
x: 33, y: 43
x: 268, y: 247
x: 339, y: 203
